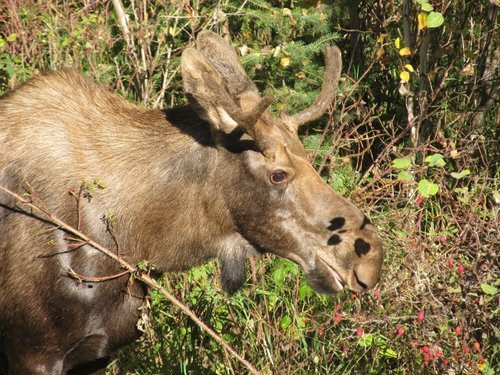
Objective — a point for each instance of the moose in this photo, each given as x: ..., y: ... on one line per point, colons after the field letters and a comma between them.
x: 220, y: 178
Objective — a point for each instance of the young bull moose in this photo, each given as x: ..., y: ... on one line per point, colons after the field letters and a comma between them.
x: 219, y: 178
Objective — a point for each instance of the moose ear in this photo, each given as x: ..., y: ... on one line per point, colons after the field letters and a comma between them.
x: 225, y: 60
x: 207, y: 92
x: 213, y: 102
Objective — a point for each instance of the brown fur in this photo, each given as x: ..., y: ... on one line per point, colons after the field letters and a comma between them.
x: 184, y: 186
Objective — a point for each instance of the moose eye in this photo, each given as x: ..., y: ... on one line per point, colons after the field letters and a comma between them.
x: 278, y: 177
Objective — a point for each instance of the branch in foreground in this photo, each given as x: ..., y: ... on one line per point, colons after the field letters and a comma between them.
x: 133, y: 271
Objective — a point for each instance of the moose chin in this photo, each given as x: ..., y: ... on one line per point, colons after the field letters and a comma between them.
x: 219, y: 178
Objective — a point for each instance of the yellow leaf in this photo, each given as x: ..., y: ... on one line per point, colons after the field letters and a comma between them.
x: 405, y: 51
x: 409, y: 68
x: 300, y: 75
x: 11, y: 38
x: 468, y: 70
x: 405, y: 76
x: 286, y: 12
x: 397, y: 43
x: 379, y: 53
x: 285, y: 61
x: 381, y: 38
x: 422, y: 21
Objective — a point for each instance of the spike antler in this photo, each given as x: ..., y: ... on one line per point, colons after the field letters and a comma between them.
x: 246, y: 120
x: 333, y: 68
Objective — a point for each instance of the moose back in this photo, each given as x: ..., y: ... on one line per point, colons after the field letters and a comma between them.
x: 219, y: 178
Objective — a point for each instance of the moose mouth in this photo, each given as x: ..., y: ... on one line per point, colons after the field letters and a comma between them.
x: 339, y: 282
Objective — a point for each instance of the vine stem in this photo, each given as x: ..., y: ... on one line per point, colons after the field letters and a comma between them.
x: 136, y: 273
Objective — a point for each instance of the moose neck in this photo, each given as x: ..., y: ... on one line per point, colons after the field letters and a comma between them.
x: 179, y: 219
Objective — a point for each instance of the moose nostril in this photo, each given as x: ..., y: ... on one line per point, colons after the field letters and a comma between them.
x: 361, y: 284
x: 361, y: 247
x: 336, y: 223
x: 334, y: 240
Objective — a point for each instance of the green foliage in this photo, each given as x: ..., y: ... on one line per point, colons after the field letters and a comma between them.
x: 427, y: 188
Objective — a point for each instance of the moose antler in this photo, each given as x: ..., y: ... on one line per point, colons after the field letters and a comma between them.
x: 211, y: 98
x: 333, y: 68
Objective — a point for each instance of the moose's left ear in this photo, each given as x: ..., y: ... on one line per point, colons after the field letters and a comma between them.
x: 207, y: 92
x: 212, y: 101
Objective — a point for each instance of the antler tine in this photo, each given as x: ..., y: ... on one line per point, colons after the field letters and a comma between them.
x: 248, y: 119
x: 333, y: 68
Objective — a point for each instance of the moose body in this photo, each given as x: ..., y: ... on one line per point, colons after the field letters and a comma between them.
x: 219, y: 178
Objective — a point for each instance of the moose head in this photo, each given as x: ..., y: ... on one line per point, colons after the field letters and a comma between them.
x: 279, y: 203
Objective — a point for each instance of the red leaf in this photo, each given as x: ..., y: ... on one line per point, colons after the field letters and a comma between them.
x: 336, y: 319
x: 359, y: 331
x: 400, y: 331
x: 421, y: 316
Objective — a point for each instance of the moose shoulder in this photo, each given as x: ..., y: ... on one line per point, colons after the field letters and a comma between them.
x: 220, y: 178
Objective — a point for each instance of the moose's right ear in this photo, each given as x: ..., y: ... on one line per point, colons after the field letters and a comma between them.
x: 207, y: 92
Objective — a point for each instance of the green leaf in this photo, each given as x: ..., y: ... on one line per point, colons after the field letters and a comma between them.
x: 305, y: 291
x: 400, y: 234
x: 366, y: 340
x: 12, y: 38
x: 405, y: 176
x: 401, y: 163
x: 279, y: 276
x: 427, y: 188
x: 457, y: 290
x: 427, y: 7
x: 285, y: 322
x: 460, y: 175
x: 389, y: 353
x: 489, y: 289
x: 434, y: 19
x: 435, y: 160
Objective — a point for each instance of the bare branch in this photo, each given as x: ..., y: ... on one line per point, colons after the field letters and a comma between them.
x: 93, y: 279
x: 123, y: 22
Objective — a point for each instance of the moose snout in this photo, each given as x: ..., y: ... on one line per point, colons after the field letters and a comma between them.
x: 367, y: 263
x: 364, y: 277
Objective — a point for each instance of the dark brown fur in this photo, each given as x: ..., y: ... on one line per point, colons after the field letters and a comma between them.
x: 184, y: 186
